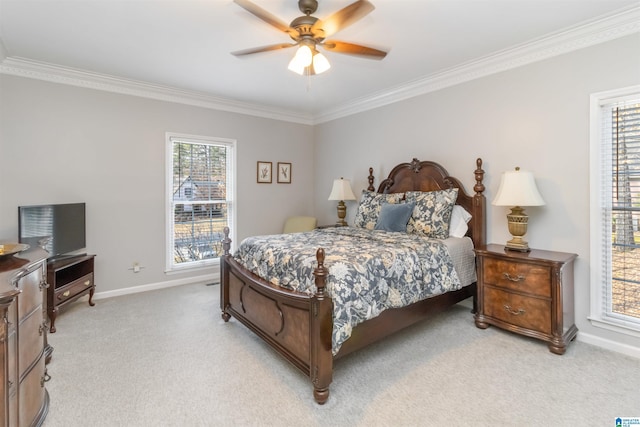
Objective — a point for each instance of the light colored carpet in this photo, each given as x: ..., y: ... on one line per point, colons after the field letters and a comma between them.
x: 166, y: 358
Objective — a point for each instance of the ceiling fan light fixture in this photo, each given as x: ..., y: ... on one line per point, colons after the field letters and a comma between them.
x: 308, y: 32
x: 296, y: 67
x: 304, y: 56
x: 304, y: 59
x: 320, y: 63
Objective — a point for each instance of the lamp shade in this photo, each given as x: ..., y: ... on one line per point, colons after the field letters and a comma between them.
x: 307, y: 60
x: 518, y: 188
x: 341, y: 190
x: 320, y: 63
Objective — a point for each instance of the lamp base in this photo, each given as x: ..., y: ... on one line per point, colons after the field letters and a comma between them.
x: 517, y: 244
x: 517, y: 221
x: 342, y: 213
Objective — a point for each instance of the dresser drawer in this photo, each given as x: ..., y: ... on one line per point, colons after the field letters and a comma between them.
x: 528, y: 278
x: 526, y: 312
x: 31, y: 293
x: 9, y: 385
x: 31, y: 340
x: 13, y: 409
x: 74, y: 288
x: 12, y: 347
x: 32, y: 393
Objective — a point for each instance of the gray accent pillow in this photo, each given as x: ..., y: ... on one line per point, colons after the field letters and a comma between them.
x: 394, y: 217
x: 369, y: 207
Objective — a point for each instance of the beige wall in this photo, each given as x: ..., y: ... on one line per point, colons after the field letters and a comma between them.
x: 61, y: 144
x: 535, y: 117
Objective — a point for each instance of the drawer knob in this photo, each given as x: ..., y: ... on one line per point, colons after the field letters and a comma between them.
x: 518, y: 278
x: 87, y: 283
x: 66, y: 293
x: 514, y: 312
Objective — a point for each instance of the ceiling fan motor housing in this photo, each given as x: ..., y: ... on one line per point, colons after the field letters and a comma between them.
x: 308, y: 6
x: 307, y: 30
x: 303, y: 26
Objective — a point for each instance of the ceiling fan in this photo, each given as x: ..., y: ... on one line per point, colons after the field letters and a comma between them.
x: 309, y: 33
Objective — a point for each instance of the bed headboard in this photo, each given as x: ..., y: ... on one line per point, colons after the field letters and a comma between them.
x: 430, y: 176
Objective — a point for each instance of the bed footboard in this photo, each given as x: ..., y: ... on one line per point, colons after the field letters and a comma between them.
x: 296, y: 325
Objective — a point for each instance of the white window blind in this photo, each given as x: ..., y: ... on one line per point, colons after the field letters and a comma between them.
x: 199, y: 199
x: 619, y: 182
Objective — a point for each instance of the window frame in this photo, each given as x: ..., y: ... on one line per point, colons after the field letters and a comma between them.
x: 599, y: 316
x: 170, y: 138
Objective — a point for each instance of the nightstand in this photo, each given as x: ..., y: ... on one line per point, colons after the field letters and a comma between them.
x: 530, y: 293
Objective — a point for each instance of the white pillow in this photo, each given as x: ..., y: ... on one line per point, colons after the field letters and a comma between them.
x: 459, y: 219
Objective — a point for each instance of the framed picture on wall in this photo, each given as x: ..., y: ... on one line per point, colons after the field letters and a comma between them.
x: 264, y: 172
x: 284, y: 173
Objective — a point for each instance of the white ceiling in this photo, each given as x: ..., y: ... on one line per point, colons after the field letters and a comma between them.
x: 185, y: 44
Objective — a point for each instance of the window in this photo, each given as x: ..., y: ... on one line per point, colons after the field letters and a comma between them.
x: 200, y: 178
x: 615, y: 210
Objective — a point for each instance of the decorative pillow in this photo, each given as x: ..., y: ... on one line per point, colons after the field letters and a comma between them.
x: 432, y: 213
x: 394, y: 217
x: 370, y: 205
x: 459, y: 219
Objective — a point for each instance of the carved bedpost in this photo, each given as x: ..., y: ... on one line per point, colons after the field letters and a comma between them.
x: 226, y: 242
x: 371, y: 179
x: 321, y: 334
x: 479, y: 202
x: 479, y: 173
x: 224, y: 276
x: 479, y: 217
x: 320, y: 273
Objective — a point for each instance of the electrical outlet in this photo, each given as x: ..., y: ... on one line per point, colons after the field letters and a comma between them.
x: 136, y: 267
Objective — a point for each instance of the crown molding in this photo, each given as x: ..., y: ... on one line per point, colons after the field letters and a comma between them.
x: 618, y: 24
x: 23, y: 67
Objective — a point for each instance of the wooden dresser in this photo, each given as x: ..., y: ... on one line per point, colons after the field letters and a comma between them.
x: 530, y: 293
x: 24, y: 399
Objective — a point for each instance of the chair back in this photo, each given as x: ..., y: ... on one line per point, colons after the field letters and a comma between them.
x: 297, y: 224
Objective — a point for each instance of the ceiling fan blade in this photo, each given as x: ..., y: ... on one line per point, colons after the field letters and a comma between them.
x: 342, y: 18
x: 353, y: 49
x: 263, y: 49
x: 267, y: 17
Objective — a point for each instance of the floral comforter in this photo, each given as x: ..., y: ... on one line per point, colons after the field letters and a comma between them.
x: 369, y: 270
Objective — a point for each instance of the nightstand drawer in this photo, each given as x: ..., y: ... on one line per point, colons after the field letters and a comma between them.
x: 528, y: 278
x: 526, y: 312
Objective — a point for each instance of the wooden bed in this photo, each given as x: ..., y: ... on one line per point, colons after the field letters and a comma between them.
x: 299, y: 326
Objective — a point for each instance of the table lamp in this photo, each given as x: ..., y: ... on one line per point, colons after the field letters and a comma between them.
x: 517, y: 189
x: 341, y: 191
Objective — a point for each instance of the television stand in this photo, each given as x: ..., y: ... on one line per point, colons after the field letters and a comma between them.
x: 69, y: 278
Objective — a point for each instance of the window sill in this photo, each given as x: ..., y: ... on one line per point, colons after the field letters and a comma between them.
x: 626, y: 328
x: 195, y: 267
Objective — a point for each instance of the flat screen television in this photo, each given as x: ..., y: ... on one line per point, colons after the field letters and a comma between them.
x: 61, y: 226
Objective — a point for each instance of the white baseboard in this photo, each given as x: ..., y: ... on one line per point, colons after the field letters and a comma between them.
x: 205, y: 278
x: 625, y: 349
